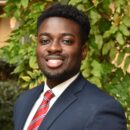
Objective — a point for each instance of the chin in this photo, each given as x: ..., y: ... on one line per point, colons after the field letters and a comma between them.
x: 54, y: 76
x: 59, y: 76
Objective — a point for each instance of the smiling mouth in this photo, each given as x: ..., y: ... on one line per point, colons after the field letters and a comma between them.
x: 54, y: 61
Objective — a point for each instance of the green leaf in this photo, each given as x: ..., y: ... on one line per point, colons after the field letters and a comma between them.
x: 34, y: 74
x: 107, y: 68
x: 25, y: 85
x: 113, y: 29
x: 126, y: 21
x: 33, y: 84
x: 24, y: 3
x: 127, y: 50
x: 124, y: 30
x: 74, y: 2
x: 97, y: 68
x: 81, y: 7
x: 31, y: 74
x: 63, y: 1
x: 41, y: 79
x: 26, y: 78
x: 126, y: 63
x: 95, y: 17
x: 107, y: 34
x: 37, y: 72
x: 86, y: 73
x: 113, y: 53
x: 33, y: 63
x: 107, y: 46
x: 104, y: 25
x: 99, y: 41
x: 120, y: 38
x: 18, y: 69
x: 96, y: 80
x: 120, y: 58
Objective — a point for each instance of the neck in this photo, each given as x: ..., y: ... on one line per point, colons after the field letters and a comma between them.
x: 54, y: 82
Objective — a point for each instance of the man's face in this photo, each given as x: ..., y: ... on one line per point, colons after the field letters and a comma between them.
x: 59, y: 50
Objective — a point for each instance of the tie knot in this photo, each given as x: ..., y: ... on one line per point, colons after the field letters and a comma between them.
x: 48, y: 95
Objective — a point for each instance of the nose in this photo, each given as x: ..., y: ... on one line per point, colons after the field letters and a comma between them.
x: 54, y: 47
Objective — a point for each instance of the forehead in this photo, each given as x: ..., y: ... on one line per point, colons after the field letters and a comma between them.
x: 59, y: 24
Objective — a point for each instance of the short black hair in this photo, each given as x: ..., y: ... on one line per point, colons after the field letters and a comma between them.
x: 69, y: 12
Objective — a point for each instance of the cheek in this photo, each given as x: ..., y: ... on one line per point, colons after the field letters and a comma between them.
x: 39, y: 50
x: 75, y: 56
x: 39, y: 54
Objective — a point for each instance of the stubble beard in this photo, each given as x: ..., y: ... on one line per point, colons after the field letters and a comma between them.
x: 56, y: 75
x: 59, y: 76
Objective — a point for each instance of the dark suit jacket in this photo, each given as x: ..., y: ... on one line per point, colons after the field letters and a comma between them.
x: 82, y: 106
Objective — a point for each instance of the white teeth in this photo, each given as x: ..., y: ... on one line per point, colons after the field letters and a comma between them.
x: 54, y: 63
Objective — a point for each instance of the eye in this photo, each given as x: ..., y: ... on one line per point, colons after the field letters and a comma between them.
x: 44, y: 41
x: 67, y: 41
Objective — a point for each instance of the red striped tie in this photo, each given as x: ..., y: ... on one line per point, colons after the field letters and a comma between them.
x: 41, y: 112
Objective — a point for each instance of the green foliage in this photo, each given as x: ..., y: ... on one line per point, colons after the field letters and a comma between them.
x: 22, y: 42
x: 107, y: 61
x: 8, y: 93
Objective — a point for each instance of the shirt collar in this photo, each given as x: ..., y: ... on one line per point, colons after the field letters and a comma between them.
x: 59, y: 89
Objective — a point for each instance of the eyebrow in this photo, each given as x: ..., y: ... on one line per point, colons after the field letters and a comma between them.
x: 62, y: 34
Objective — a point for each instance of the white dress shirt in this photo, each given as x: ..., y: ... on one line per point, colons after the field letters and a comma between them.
x: 57, y: 90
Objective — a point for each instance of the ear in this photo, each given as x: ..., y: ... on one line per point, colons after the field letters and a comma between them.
x: 84, y: 52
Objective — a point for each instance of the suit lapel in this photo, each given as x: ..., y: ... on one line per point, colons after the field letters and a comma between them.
x: 30, y: 100
x: 66, y: 99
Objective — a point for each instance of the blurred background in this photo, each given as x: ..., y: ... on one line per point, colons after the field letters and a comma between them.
x: 107, y: 64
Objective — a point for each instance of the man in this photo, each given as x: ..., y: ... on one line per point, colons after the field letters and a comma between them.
x: 75, y: 103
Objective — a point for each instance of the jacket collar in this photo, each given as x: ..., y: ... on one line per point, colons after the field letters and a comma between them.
x: 67, y: 98
x: 29, y: 100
